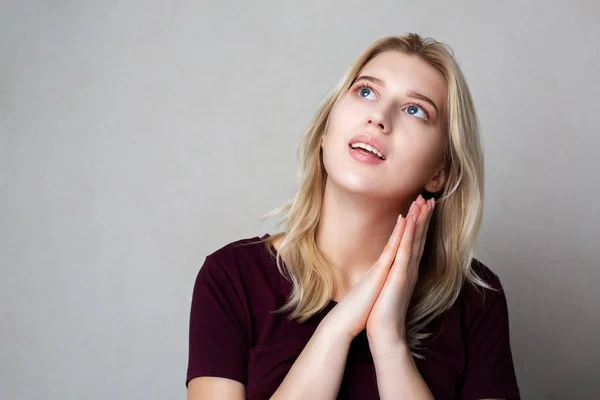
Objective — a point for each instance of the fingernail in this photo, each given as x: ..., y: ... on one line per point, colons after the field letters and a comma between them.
x: 399, y: 218
x: 415, y: 214
x: 415, y: 217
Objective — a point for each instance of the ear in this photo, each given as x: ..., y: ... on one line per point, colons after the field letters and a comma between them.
x: 436, y: 183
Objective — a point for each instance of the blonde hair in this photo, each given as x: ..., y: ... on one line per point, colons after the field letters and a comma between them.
x: 448, y: 255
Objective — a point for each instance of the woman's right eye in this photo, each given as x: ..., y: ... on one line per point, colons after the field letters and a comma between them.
x: 364, y: 91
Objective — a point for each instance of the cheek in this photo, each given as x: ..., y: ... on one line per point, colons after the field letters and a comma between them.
x: 412, y: 152
x: 422, y: 159
x: 345, y: 115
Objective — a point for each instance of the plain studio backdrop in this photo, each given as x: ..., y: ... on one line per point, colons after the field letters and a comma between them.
x: 138, y: 137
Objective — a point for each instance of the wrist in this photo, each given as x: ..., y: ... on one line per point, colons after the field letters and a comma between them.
x: 388, y: 344
x: 333, y: 333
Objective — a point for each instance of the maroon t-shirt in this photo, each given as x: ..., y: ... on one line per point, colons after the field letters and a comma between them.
x: 234, y: 333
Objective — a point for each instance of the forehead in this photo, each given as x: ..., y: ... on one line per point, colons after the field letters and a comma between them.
x: 402, y: 72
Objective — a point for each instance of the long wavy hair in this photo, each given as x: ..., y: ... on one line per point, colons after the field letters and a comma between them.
x: 446, y: 263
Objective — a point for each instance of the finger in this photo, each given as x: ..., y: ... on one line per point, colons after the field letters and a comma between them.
x: 421, y: 229
x: 431, y: 206
x: 390, y: 249
x: 405, y: 249
x: 378, y: 272
x: 420, y: 226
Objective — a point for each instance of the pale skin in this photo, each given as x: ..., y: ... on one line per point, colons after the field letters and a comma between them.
x: 371, y: 203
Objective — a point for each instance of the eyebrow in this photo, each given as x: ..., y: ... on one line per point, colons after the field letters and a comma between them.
x: 409, y: 93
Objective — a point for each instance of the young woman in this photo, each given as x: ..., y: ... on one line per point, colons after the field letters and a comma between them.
x: 371, y: 291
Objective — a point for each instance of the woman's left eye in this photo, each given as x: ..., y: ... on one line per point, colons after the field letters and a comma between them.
x: 414, y: 110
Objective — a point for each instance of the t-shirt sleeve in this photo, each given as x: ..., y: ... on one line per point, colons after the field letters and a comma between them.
x: 489, y: 370
x: 218, y: 329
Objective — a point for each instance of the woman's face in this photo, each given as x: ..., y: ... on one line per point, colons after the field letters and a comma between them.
x: 397, y: 104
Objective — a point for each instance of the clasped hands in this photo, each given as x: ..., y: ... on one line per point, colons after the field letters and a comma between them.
x: 379, y: 301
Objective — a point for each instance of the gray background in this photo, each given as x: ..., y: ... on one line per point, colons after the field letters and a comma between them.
x: 137, y: 137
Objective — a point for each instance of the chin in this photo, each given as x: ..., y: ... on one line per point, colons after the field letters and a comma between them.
x: 356, y: 184
x: 351, y: 177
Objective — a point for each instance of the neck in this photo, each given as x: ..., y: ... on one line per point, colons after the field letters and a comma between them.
x: 353, y: 230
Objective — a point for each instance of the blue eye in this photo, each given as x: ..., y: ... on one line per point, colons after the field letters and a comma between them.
x: 364, y: 91
x: 414, y: 109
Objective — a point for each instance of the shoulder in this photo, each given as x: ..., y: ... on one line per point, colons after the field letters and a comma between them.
x: 244, y: 262
x: 479, y: 270
x: 485, y: 272
x: 489, y: 370
x: 241, y: 250
x: 480, y: 303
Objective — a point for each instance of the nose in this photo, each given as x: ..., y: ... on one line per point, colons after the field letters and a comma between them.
x: 378, y: 119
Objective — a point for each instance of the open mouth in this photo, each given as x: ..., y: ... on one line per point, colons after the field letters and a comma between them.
x: 366, y: 149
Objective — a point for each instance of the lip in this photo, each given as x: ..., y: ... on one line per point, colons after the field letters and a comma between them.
x: 371, y: 141
x: 364, y: 157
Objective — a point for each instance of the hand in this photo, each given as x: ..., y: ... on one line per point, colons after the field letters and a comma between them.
x: 387, y: 320
x: 349, y: 317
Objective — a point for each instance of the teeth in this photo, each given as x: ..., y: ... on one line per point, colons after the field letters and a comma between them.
x: 368, y: 148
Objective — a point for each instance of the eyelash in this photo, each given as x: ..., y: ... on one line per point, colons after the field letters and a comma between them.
x: 413, y: 103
